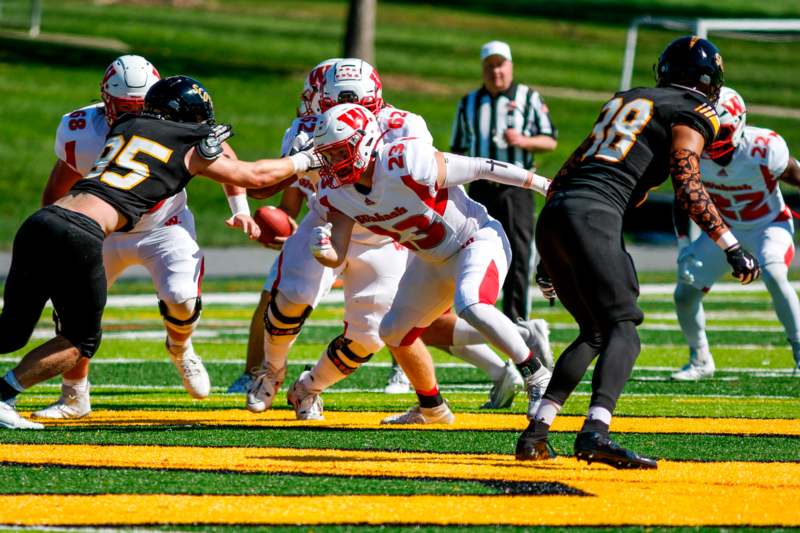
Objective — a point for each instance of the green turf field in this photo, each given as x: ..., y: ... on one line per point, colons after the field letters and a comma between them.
x: 150, y: 452
x: 253, y: 55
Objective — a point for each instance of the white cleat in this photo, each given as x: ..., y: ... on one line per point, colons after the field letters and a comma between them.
x: 307, y: 405
x: 264, y: 385
x: 536, y: 385
x: 398, y: 382
x: 503, y: 391
x: 536, y: 334
x: 241, y: 385
x: 72, y: 404
x: 440, y: 414
x: 193, y: 374
x: 695, y: 371
x: 10, y: 419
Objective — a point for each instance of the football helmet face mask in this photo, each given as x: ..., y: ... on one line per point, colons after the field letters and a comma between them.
x: 352, y: 81
x: 125, y: 84
x: 691, y: 62
x: 312, y: 88
x: 180, y: 99
x: 732, y: 114
x: 347, y: 138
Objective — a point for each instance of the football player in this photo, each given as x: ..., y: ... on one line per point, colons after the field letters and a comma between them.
x: 410, y: 193
x: 163, y: 241
x: 146, y: 159
x: 641, y: 137
x: 741, y: 171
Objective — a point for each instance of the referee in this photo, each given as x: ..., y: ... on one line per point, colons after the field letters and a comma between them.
x: 509, y: 122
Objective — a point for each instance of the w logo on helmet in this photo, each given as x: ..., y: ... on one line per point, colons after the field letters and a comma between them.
x: 355, y: 118
x: 733, y: 105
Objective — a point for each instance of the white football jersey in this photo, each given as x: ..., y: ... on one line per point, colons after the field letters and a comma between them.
x: 406, y: 204
x: 395, y: 123
x: 81, y: 137
x: 746, y: 190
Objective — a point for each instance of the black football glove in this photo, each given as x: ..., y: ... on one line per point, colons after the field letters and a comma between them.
x: 545, y: 284
x: 211, y: 147
x: 745, y: 266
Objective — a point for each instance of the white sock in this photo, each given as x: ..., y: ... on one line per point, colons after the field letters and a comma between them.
x: 323, y: 376
x: 179, y: 348
x: 80, y: 385
x: 465, y: 335
x: 498, y: 329
x: 599, y: 413
x: 481, y: 356
x: 547, y: 412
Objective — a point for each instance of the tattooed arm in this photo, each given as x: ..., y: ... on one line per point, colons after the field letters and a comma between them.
x: 690, y: 195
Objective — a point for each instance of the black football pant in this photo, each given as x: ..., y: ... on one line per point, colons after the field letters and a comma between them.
x: 514, y: 208
x: 57, y: 255
x: 580, y: 243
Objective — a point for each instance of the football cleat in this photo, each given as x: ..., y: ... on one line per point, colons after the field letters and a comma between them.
x: 193, y: 373
x: 591, y: 446
x: 504, y: 390
x: 71, y: 404
x: 536, y: 334
x: 695, y: 370
x: 536, y: 385
x: 529, y: 449
x: 441, y: 414
x: 242, y: 384
x: 398, y: 382
x: 264, y: 385
x: 10, y: 419
x: 307, y: 405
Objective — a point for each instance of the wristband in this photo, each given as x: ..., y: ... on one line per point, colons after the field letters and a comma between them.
x: 238, y: 204
x: 301, y: 162
x: 727, y: 240
x: 537, y: 183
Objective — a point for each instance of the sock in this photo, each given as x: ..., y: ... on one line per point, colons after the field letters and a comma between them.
x: 598, y: 419
x: 529, y: 366
x: 9, y: 387
x: 465, y: 335
x: 430, y: 398
x: 322, y: 376
x: 481, y: 356
x: 80, y: 385
x: 179, y: 348
x: 547, y: 412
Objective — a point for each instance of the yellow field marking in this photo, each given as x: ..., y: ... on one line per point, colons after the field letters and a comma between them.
x: 732, y: 493
x: 464, y: 421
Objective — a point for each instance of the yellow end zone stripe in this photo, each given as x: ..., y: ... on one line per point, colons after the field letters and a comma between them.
x: 731, y: 493
x: 464, y: 421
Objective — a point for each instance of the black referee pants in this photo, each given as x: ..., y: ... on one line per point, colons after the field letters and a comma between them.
x: 514, y: 208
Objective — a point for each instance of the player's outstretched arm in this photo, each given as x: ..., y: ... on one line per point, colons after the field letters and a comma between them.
x: 61, y: 180
x: 692, y: 198
x: 329, y: 242
x: 454, y: 170
x: 792, y: 173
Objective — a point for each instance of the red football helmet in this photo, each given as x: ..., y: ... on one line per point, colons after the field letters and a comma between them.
x: 125, y: 84
x: 312, y: 88
x: 352, y: 81
x: 732, y: 117
x: 347, y: 137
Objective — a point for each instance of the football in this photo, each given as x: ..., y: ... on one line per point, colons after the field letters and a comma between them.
x: 274, y: 222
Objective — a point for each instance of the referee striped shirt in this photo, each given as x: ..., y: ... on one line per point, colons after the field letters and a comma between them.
x: 482, y: 119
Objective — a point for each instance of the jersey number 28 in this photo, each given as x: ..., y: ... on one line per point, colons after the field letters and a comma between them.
x: 123, y: 154
x: 616, y: 129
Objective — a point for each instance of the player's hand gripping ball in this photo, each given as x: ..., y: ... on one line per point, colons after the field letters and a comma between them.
x: 276, y: 226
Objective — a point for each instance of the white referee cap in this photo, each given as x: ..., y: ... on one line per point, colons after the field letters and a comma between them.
x: 496, y: 48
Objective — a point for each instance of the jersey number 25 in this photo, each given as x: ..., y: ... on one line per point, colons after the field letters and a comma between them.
x: 123, y: 154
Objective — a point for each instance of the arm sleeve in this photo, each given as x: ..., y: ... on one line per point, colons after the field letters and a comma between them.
x: 459, y: 141
x: 537, y: 117
x: 462, y: 170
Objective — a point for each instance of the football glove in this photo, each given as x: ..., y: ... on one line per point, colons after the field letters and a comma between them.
x: 545, y: 284
x: 320, y: 241
x: 687, y: 264
x: 211, y: 147
x: 745, y: 266
x: 306, y: 160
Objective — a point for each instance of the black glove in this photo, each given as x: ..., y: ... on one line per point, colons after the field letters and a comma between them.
x: 211, y: 147
x: 545, y: 284
x: 745, y: 266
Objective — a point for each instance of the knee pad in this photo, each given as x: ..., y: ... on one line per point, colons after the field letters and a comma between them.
x: 192, y: 308
x: 86, y: 343
x: 278, y: 324
x: 344, y: 354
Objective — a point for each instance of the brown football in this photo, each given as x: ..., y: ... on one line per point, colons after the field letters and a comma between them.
x: 274, y: 222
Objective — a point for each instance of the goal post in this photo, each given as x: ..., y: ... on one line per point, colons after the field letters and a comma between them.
x: 699, y: 27
x: 19, y: 14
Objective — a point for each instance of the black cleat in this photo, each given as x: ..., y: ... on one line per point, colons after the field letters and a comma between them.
x: 591, y: 446
x: 531, y: 449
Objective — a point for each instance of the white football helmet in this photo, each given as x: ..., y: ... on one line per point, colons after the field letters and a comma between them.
x: 352, y: 81
x: 347, y: 138
x: 312, y: 88
x: 732, y: 117
x: 125, y: 85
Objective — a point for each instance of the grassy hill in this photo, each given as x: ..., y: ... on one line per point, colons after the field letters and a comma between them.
x: 253, y: 55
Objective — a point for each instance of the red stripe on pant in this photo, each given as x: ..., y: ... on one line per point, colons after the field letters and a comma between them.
x: 490, y: 285
x: 411, y: 336
x: 787, y: 258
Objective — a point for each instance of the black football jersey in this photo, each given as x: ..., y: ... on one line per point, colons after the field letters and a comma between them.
x: 628, y: 150
x: 142, y: 164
